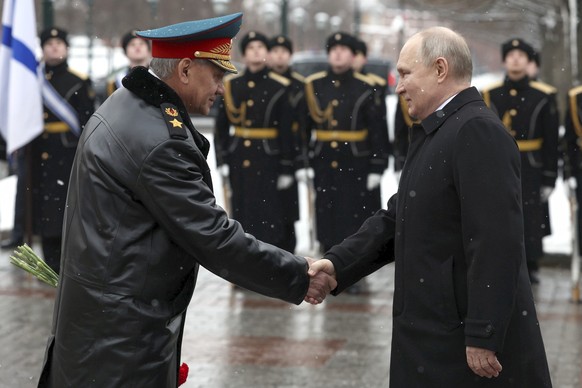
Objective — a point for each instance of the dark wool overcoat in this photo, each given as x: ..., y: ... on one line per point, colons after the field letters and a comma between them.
x: 455, y: 229
x: 140, y: 219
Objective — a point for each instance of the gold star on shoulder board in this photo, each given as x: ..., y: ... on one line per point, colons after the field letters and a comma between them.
x: 176, y: 123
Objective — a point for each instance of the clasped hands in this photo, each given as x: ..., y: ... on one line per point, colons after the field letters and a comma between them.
x: 321, y: 280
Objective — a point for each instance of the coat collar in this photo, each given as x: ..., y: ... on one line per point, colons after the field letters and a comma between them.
x: 436, y: 119
x: 156, y: 92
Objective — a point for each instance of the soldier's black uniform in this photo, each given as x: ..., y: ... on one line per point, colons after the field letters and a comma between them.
x: 253, y: 137
x: 52, y: 157
x: 528, y: 110
x: 572, y: 145
x: 348, y: 143
x: 402, y: 124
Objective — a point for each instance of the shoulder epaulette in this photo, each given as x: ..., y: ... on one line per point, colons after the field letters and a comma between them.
x: 541, y: 86
x: 575, y: 91
x: 492, y: 86
x: 314, y: 76
x: 83, y: 76
x: 229, y: 77
x: 279, y: 78
x: 377, y: 79
x: 297, y: 76
x: 363, y: 77
x: 174, y: 122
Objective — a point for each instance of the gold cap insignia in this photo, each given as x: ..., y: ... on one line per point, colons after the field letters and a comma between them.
x: 54, y: 32
x: 280, y: 40
x: 252, y: 34
x: 515, y: 43
x: 338, y: 36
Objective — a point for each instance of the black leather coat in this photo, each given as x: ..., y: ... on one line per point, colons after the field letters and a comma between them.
x: 140, y: 219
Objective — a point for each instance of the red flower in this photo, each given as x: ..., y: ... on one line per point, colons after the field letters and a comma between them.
x: 183, y: 374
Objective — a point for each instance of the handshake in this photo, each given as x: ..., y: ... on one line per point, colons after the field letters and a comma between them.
x: 322, y: 280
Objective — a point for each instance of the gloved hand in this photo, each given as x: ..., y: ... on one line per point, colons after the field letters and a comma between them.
x: 572, y: 183
x: 284, y: 182
x: 373, y: 181
x: 545, y: 193
x: 223, y: 170
x: 303, y: 174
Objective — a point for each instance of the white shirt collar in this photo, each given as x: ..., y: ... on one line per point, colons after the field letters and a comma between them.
x: 446, y: 102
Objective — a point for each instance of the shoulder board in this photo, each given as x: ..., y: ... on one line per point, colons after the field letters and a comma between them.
x: 229, y: 77
x: 363, y: 77
x: 548, y: 89
x: 297, y: 76
x: 315, y: 76
x: 279, y: 78
x: 377, y: 79
x: 83, y: 76
x: 492, y: 86
x: 174, y: 122
x: 575, y: 91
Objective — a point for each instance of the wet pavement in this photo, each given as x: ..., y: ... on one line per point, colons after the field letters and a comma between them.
x: 234, y: 338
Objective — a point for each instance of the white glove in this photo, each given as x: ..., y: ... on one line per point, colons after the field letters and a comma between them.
x: 545, y: 193
x: 572, y: 183
x: 303, y: 174
x: 224, y: 170
x: 284, y: 182
x: 373, y: 181
x: 397, y: 175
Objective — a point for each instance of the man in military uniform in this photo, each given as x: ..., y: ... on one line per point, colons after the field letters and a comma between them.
x: 572, y: 145
x: 138, y: 53
x: 379, y: 85
x: 68, y: 104
x: 257, y: 155
x: 349, y: 144
x: 528, y: 110
x: 280, y: 52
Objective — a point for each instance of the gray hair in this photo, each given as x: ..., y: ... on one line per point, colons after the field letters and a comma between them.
x: 443, y: 42
x: 163, y: 67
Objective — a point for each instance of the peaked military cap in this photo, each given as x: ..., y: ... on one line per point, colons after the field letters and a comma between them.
x: 519, y: 44
x: 128, y: 37
x: 361, y: 47
x: 251, y: 36
x: 200, y: 39
x: 341, y: 38
x: 53, y: 32
x: 281, y: 40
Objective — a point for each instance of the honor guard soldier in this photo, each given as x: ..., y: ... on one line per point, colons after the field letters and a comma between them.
x: 68, y: 99
x: 572, y: 145
x: 254, y: 146
x: 348, y: 148
x: 402, y: 124
x: 528, y: 111
x: 138, y: 53
x: 379, y: 85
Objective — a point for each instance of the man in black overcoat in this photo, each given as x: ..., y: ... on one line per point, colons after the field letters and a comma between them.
x: 463, y: 309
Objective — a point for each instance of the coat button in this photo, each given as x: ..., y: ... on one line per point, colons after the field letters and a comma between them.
x: 246, y: 163
x: 248, y: 123
x: 335, y: 103
x: 513, y: 92
x: 251, y: 84
x: 247, y: 143
x: 333, y: 144
x: 488, y: 329
x: 334, y: 123
x: 44, y: 155
x: 250, y: 103
x: 334, y: 164
x: 513, y: 112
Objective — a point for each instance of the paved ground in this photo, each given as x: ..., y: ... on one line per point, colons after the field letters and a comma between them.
x: 238, y: 339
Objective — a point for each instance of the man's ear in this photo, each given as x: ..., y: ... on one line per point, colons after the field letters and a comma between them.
x: 184, y: 66
x: 442, y: 68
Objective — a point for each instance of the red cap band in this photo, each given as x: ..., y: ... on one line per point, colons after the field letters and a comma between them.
x: 186, y: 49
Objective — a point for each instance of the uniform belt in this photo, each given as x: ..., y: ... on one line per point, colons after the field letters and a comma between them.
x: 530, y: 145
x: 256, y: 133
x: 330, y: 135
x: 56, y: 127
